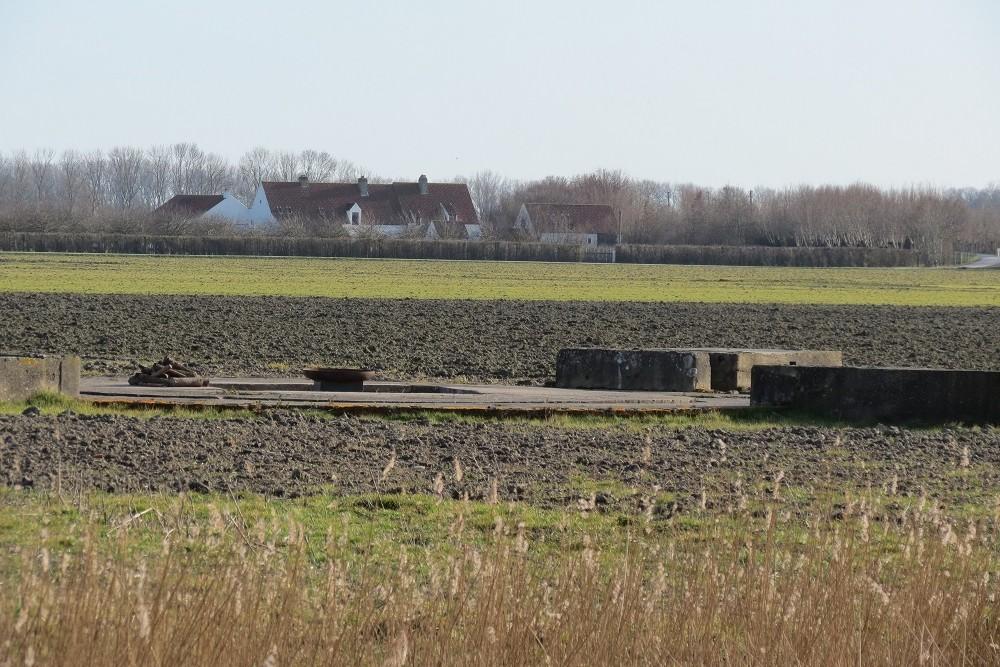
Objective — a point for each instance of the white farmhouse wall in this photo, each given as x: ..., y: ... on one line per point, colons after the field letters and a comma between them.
x: 230, y: 209
x: 259, y: 213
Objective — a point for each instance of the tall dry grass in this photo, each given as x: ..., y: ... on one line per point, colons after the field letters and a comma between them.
x: 903, y: 589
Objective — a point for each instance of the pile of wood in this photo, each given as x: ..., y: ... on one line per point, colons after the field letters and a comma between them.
x: 167, y: 373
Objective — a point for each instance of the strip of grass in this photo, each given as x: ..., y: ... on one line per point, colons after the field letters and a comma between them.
x: 380, y: 527
x: 376, y: 526
x: 235, y: 276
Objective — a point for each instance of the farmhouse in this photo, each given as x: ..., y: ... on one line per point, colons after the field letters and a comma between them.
x: 219, y: 207
x: 583, y: 224
x: 421, y: 209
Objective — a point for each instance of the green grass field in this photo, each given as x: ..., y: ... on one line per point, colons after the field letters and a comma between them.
x: 130, y: 274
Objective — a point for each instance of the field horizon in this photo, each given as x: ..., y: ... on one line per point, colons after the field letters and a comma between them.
x: 478, y: 280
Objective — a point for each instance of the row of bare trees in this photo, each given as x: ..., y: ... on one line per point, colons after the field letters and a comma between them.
x: 827, y: 216
x: 43, y: 190
x: 75, y: 185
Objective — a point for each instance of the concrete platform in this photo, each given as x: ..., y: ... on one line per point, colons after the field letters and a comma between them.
x: 393, y: 396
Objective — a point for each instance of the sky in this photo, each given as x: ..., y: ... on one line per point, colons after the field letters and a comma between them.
x: 756, y: 93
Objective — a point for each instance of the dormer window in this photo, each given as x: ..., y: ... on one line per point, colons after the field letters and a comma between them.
x: 355, y: 217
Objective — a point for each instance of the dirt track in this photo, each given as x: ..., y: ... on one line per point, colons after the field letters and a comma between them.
x: 286, y: 453
x: 481, y: 340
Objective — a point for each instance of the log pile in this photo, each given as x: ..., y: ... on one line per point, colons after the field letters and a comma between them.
x: 167, y: 373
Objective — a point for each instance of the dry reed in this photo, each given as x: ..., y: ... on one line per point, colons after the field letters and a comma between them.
x: 913, y: 589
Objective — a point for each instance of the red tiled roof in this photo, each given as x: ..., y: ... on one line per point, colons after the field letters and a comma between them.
x: 385, y: 203
x: 454, y: 197
x: 578, y: 218
x: 326, y: 199
x: 192, y: 205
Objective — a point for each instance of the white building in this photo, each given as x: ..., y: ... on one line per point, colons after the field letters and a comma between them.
x: 219, y: 207
x: 419, y: 210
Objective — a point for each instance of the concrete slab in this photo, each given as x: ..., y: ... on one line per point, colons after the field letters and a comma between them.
x: 23, y: 377
x: 881, y: 394
x: 653, y: 369
x: 452, y: 397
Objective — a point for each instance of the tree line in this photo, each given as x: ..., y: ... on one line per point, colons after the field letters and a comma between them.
x: 114, y: 190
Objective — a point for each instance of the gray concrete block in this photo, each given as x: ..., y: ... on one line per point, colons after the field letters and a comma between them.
x: 881, y: 394
x: 23, y: 377
x: 633, y: 370
x: 731, y: 368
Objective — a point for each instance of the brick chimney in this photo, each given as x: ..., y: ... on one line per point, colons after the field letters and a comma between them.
x: 303, y: 181
x: 363, y: 186
x: 422, y: 182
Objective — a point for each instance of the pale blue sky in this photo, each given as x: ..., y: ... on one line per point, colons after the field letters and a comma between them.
x: 746, y: 93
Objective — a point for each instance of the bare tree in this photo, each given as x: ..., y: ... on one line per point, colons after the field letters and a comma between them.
x: 346, y: 171
x: 41, y: 172
x: 6, y: 179
x: 317, y: 165
x: 71, y: 180
x: 21, y: 182
x: 216, y: 175
x: 125, y: 165
x: 490, y: 192
x: 157, y: 175
x: 286, y: 164
x: 255, y: 166
x: 187, y: 163
x: 95, y: 174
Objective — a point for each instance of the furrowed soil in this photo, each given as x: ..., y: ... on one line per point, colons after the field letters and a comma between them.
x: 288, y: 453
x: 503, y: 341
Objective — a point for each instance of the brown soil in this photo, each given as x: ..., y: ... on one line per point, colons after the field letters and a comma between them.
x: 478, y: 340
x: 287, y: 453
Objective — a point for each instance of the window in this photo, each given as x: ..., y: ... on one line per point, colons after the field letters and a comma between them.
x: 355, y: 217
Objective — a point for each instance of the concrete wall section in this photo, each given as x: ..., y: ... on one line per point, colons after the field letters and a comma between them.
x: 881, y: 394
x: 731, y: 367
x: 23, y: 377
x: 633, y: 370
